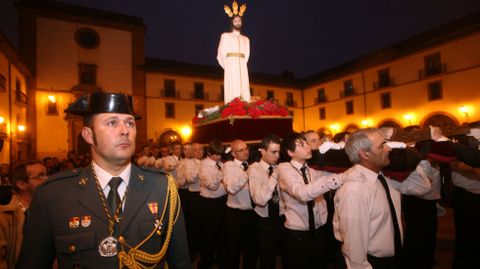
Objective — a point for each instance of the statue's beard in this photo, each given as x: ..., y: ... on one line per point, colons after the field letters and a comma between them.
x: 237, y: 27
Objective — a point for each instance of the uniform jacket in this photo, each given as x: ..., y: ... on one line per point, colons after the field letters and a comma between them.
x: 53, y: 229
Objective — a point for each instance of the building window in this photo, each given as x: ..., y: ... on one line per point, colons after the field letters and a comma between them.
x: 169, y: 85
x: 291, y: 113
x: 290, y: 101
x: 87, y: 74
x: 321, y: 97
x: 348, y: 89
x: 198, y: 108
x: 3, y: 83
x: 435, y: 91
x: 170, y: 110
x: 199, y: 92
x: 349, y: 107
x: 433, y: 64
x: 52, y: 107
x: 384, y: 78
x: 270, y: 95
x: 322, y: 113
x: 385, y: 100
x: 87, y: 38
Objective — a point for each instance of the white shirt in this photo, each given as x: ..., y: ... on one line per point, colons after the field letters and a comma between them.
x: 180, y: 179
x: 262, y: 187
x: 362, y: 219
x: 236, y: 183
x: 423, y: 182
x: 104, y: 177
x: 191, y: 175
x: 211, y: 179
x: 295, y: 194
x: 146, y: 161
x: 470, y: 185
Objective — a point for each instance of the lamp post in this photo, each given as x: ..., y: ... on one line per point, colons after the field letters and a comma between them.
x: 464, y: 110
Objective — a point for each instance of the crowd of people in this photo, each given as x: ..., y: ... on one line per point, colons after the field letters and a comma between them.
x: 358, y: 200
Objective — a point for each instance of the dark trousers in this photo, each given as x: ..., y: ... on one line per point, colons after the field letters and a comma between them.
x: 306, y: 249
x: 466, y: 215
x: 241, y: 239
x: 212, y: 226
x: 420, y: 233
x: 193, y: 227
x: 271, y: 234
x: 383, y: 263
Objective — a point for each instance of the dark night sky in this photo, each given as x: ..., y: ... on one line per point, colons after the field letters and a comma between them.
x: 304, y: 36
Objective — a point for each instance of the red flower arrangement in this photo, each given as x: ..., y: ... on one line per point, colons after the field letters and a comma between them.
x: 238, y: 107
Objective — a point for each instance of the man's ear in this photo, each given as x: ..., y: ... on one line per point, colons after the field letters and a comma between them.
x: 87, y: 134
x: 21, y: 185
x: 290, y: 153
x: 364, y: 155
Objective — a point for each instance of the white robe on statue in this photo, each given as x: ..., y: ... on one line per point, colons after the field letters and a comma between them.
x: 233, y: 54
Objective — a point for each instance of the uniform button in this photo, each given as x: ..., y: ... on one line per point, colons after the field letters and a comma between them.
x: 72, y: 248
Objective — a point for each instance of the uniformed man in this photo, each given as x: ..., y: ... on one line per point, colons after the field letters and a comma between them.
x: 110, y: 214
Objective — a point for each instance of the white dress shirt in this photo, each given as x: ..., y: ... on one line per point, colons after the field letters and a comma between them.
x: 180, y: 179
x: 236, y: 183
x: 470, y: 185
x: 362, y: 219
x: 191, y: 169
x: 104, y: 177
x: 211, y: 179
x: 423, y: 182
x: 262, y: 187
x: 295, y: 194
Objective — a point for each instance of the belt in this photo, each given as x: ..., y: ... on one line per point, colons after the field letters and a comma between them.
x: 235, y: 54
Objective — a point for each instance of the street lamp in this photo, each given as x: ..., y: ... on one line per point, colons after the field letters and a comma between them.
x: 464, y: 110
x: 408, y: 117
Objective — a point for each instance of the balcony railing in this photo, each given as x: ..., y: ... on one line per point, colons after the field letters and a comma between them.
x: 291, y: 103
x: 347, y: 92
x: 21, y: 98
x: 383, y: 83
x: 432, y: 71
x: 203, y: 96
x: 320, y: 99
x: 172, y: 93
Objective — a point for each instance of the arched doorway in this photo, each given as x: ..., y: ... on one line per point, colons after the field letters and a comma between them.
x: 168, y: 137
x: 390, y: 124
x: 440, y: 120
x: 352, y: 127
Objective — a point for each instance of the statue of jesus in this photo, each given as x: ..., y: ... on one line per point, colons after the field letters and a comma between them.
x: 233, y: 54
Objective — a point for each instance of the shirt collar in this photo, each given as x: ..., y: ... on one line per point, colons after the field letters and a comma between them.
x: 104, y: 176
x: 370, y: 175
x: 297, y: 165
x: 265, y: 165
x: 238, y: 163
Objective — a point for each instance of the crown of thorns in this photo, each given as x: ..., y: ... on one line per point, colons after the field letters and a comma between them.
x: 234, y: 11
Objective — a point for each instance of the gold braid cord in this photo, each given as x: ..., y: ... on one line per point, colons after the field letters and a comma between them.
x: 136, y: 258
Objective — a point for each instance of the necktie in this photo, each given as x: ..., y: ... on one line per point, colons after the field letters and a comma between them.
x: 113, y: 196
x: 310, y: 204
x: 273, y: 204
x: 245, y: 168
x: 396, y: 227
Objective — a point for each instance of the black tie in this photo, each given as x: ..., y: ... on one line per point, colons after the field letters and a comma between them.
x: 396, y: 227
x: 273, y: 204
x: 113, y: 196
x: 311, y: 218
x: 245, y: 168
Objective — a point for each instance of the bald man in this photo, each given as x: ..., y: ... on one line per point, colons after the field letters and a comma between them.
x: 241, y: 218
